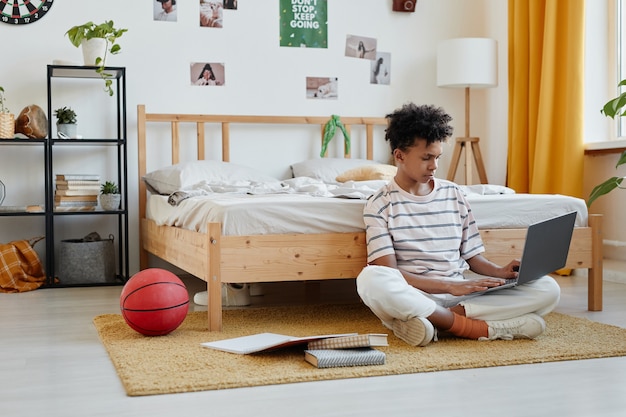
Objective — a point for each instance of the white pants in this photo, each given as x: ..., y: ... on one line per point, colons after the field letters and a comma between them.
x: 385, y: 291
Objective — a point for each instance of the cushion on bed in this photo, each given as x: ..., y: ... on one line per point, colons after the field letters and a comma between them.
x: 185, y: 175
x: 369, y: 172
x: 327, y: 169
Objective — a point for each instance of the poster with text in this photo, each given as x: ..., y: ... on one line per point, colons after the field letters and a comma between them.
x: 304, y: 23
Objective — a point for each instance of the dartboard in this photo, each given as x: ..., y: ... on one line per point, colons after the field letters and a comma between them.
x: 22, y: 12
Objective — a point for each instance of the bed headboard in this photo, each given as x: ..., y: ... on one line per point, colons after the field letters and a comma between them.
x: 201, y: 120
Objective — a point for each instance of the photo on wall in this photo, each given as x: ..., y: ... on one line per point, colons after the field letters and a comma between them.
x: 164, y: 10
x: 361, y: 47
x: 230, y: 4
x: 303, y: 23
x: 322, y: 87
x: 205, y: 73
x: 211, y: 13
x: 381, y: 69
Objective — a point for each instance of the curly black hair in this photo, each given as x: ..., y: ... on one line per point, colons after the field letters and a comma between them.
x: 411, y: 122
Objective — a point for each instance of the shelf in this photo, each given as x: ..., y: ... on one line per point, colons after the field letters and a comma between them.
x: 20, y: 213
x: 79, y: 71
x: 86, y: 142
x: 87, y: 212
x: 15, y: 141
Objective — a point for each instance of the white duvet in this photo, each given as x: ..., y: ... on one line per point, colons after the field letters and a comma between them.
x: 306, y: 205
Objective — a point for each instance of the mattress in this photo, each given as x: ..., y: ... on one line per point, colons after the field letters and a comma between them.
x: 289, y: 213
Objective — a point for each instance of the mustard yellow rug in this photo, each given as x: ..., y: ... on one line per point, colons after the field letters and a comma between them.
x: 177, y: 363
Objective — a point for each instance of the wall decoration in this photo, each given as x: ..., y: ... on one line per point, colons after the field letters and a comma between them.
x: 20, y: 12
x: 165, y: 10
x: 230, y: 4
x: 322, y: 87
x: 211, y: 13
x: 381, y: 69
x: 304, y: 23
x: 403, y: 6
x: 205, y: 73
x: 361, y: 47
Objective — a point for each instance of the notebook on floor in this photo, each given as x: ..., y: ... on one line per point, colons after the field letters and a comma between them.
x: 545, y: 250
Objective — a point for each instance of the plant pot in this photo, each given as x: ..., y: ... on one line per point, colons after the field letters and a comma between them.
x: 7, y: 125
x: 68, y: 129
x: 92, y: 49
x: 110, y: 201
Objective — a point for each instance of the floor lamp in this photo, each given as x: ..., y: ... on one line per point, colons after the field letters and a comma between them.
x: 467, y: 63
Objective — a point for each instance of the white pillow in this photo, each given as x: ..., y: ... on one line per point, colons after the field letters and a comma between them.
x: 327, y: 169
x: 186, y: 174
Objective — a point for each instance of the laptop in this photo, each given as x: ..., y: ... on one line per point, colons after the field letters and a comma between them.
x: 545, y: 250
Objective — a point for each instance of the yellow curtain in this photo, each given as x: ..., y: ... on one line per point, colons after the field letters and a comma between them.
x: 546, y: 69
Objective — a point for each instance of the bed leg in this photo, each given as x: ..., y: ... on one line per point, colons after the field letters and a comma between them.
x: 594, y: 274
x: 214, y: 278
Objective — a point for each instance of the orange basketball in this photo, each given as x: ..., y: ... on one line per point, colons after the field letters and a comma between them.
x: 154, y: 302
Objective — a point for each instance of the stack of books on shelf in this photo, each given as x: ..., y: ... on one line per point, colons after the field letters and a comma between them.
x: 76, y: 192
x: 325, y: 351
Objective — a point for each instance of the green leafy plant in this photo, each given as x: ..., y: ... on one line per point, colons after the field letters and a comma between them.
x: 613, y: 108
x: 65, y: 115
x: 106, y: 31
x: 109, y: 187
x: 3, y: 108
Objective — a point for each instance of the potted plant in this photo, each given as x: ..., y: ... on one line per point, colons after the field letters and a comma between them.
x: 66, y: 122
x: 110, y: 197
x: 613, y: 108
x: 97, y: 41
x: 7, y: 119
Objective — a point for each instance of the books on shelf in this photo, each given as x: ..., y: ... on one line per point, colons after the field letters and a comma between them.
x: 262, y: 342
x: 352, y: 341
x: 76, y: 198
x: 78, y: 177
x: 77, y: 192
x: 74, y: 208
x: 331, y: 358
x: 77, y: 185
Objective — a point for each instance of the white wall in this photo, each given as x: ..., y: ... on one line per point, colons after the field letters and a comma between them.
x: 261, y: 78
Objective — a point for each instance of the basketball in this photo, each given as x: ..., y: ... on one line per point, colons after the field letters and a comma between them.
x: 154, y: 302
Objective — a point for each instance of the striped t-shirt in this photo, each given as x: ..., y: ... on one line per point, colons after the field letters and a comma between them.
x: 430, y: 235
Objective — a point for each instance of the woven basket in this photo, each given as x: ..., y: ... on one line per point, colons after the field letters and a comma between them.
x: 7, y: 125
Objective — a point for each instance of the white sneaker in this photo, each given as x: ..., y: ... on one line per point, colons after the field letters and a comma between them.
x: 527, y: 326
x: 233, y: 295
x: 416, y: 331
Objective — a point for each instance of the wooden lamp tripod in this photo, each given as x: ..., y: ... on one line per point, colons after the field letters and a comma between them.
x: 467, y: 63
x: 472, y: 148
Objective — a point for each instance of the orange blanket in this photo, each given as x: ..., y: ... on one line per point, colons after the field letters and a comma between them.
x: 20, y: 268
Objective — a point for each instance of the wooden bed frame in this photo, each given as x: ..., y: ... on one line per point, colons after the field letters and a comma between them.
x: 218, y: 259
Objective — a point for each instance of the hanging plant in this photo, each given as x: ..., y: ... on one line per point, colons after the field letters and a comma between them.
x: 613, y: 108
x: 329, y: 133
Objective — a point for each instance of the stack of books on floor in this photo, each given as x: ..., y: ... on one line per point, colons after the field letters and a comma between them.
x: 352, y: 350
x: 76, y: 192
x: 325, y: 351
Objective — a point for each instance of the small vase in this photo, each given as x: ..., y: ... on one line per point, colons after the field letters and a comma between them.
x: 7, y: 125
x: 110, y: 201
x: 92, y: 49
x: 67, y: 129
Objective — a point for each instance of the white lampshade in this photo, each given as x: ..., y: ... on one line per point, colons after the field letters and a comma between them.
x: 467, y: 62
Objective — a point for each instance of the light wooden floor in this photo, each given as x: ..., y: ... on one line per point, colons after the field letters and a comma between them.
x: 52, y: 364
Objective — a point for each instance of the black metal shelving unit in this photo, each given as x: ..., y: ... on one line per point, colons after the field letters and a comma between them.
x: 119, y: 141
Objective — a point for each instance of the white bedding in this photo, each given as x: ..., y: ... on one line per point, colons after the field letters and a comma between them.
x: 302, y: 212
